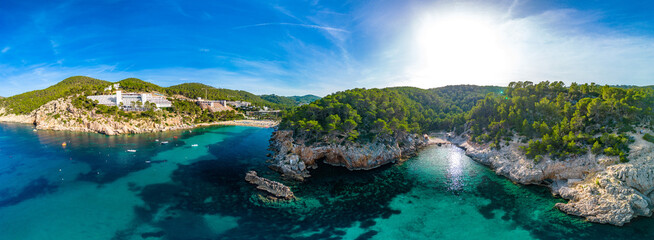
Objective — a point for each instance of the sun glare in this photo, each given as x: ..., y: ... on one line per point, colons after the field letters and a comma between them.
x: 457, y: 49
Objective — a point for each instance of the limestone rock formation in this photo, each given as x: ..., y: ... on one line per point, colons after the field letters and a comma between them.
x: 618, y: 193
x: 276, y: 190
x: 294, y: 160
x: 60, y: 114
x: 599, y: 187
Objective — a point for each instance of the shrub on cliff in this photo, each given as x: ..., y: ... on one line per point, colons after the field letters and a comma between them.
x: 563, y: 119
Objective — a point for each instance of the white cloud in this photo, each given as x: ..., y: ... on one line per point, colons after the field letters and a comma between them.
x: 559, y: 45
x: 6, y: 49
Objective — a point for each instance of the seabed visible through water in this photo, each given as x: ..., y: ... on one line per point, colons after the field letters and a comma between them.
x: 93, y: 188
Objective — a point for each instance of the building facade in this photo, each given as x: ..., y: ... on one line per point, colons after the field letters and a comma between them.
x: 131, y: 101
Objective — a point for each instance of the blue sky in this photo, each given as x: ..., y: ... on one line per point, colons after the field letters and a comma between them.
x: 319, y: 47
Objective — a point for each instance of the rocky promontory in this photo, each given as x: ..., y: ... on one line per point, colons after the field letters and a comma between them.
x: 60, y: 114
x: 598, y: 187
x: 293, y: 159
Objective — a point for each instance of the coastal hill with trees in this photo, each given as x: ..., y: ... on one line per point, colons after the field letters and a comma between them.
x: 590, y: 144
x: 290, y: 101
x: 66, y: 106
x: 554, y: 120
x: 26, y: 102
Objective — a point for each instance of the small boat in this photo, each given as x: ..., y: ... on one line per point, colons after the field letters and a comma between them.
x: 156, y: 140
x: 35, y: 130
x: 147, y: 161
x: 131, y: 150
x: 164, y: 142
x: 194, y: 145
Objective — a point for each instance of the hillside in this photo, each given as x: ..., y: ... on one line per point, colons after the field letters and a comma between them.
x: 195, y: 90
x: 363, y: 115
x: 563, y: 121
x: 306, y: 99
x: 138, y: 85
x: 588, y: 143
x: 27, y: 102
x: 290, y: 101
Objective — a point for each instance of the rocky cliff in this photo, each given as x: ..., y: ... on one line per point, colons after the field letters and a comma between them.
x: 60, y: 114
x: 599, y: 187
x: 293, y: 160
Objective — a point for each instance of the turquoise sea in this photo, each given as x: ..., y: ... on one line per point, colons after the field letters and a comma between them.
x: 93, y: 188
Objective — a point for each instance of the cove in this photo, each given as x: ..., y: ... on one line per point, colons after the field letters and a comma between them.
x: 94, y: 189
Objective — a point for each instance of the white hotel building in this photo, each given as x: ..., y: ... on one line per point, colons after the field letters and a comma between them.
x: 131, y: 101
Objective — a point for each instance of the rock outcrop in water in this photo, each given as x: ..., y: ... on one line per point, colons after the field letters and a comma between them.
x: 599, y: 187
x: 293, y: 160
x: 275, y: 190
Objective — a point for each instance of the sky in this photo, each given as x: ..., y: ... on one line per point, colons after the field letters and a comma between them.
x: 319, y: 47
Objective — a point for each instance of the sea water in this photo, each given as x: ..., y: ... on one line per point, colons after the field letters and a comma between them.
x: 93, y: 188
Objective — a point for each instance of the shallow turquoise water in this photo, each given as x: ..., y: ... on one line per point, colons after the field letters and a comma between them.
x: 94, y: 189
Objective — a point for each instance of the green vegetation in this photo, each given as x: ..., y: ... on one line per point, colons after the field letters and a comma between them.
x: 560, y: 121
x: 188, y: 109
x: 194, y: 111
x: 648, y: 137
x: 138, y: 85
x: 290, y: 101
x: 381, y: 114
x: 195, y: 90
x: 29, y: 101
x: 565, y: 121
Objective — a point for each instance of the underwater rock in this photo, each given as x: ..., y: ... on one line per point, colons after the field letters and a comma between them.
x: 276, y: 190
x: 293, y: 160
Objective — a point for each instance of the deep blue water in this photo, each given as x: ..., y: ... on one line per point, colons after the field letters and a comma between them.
x: 94, y: 189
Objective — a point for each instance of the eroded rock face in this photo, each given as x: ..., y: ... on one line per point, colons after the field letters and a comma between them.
x: 5, y: 117
x: 616, y: 194
x: 60, y: 114
x: 294, y: 160
x: 599, y: 187
x: 276, y: 190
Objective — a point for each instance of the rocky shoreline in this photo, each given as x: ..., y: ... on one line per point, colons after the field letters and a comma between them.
x: 598, y: 187
x: 61, y: 115
x: 293, y: 160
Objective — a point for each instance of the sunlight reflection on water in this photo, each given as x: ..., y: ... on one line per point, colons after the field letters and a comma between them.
x: 455, y: 170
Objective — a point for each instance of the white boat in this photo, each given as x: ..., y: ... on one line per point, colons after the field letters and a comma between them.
x: 34, y: 130
x: 164, y: 142
x: 194, y: 145
x: 131, y: 150
x: 156, y: 140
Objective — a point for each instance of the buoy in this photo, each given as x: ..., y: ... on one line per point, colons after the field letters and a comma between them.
x: 63, y: 144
